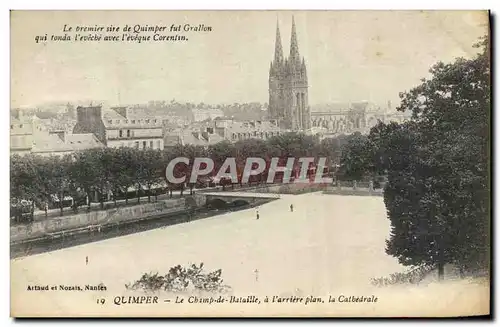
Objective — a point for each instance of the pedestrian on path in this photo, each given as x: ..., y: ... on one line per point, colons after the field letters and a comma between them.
x: 86, y: 260
x: 291, y: 207
x: 258, y: 216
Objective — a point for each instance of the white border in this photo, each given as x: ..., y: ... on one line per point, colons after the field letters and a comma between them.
x: 184, y: 4
x: 258, y: 5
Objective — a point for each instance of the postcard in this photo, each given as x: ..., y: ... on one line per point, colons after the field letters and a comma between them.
x: 250, y: 163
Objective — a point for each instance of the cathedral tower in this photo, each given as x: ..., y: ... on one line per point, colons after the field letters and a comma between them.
x: 288, y: 87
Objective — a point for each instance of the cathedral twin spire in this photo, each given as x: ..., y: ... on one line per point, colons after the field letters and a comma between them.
x: 278, y: 49
x: 288, y: 86
x: 294, y: 58
x: 294, y: 46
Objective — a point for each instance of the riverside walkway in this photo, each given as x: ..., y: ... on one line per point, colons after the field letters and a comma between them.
x: 244, y: 195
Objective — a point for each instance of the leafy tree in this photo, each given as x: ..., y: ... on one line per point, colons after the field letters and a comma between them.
x: 292, y: 145
x: 383, y: 147
x: 331, y: 148
x: 437, y: 195
x: 219, y: 152
x: 105, y: 165
x: 192, y: 152
x: 122, y: 171
x: 150, y: 168
x: 84, y: 171
x: 356, y: 159
x: 58, y: 177
x: 180, y: 169
x: 23, y: 176
x: 24, y: 180
x: 246, y: 149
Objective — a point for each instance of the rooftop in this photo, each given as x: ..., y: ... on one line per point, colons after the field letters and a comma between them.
x: 52, y: 124
x: 183, y: 136
x: 49, y: 143
x: 251, y: 126
x: 344, y: 107
x: 112, y: 119
x: 82, y: 141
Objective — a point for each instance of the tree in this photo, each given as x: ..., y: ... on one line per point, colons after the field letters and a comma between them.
x: 24, y: 180
x: 356, y: 160
x: 103, y: 166
x: 92, y: 172
x: 191, y: 152
x: 437, y: 195
x: 84, y: 171
x: 331, y: 148
x: 23, y: 177
x: 292, y: 145
x: 58, y: 177
x: 246, y: 149
x: 180, y: 169
x: 122, y: 171
x: 219, y: 152
x: 150, y: 169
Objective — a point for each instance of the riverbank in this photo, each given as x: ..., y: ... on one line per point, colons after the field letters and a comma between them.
x: 90, y: 221
x: 95, y: 219
x: 94, y: 233
x: 302, y: 188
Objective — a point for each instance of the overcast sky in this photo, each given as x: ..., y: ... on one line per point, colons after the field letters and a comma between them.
x: 350, y: 55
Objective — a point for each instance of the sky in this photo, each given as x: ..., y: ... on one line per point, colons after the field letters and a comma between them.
x: 350, y: 55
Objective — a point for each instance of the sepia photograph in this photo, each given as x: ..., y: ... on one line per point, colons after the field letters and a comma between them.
x: 258, y: 163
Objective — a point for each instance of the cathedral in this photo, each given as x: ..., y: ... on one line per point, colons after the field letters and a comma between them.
x: 288, y: 102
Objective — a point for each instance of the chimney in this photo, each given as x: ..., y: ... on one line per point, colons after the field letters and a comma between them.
x: 89, y: 120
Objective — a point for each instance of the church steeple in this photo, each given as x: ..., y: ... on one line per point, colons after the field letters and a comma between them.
x: 294, y: 45
x: 278, y: 49
x: 288, y: 86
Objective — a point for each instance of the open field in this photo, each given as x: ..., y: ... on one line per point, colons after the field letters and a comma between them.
x: 330, y: 245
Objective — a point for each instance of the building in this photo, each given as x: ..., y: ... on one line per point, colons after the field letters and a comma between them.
x: 60, y: 143
x: 288, y: 86
x: 345, y: 118
x: 119, y: 126
x: 233, y: 131
x: 198, y: 137
x: 21, y: 133
x: 62, y: 122
x: 223, y: 129
x: 200, y: 114
x: 31, y: 135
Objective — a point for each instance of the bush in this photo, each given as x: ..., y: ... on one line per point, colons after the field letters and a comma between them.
x: 413, y: 276
x: 181, y: 279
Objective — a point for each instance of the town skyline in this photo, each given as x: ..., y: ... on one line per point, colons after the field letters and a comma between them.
x: 231, y: 63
